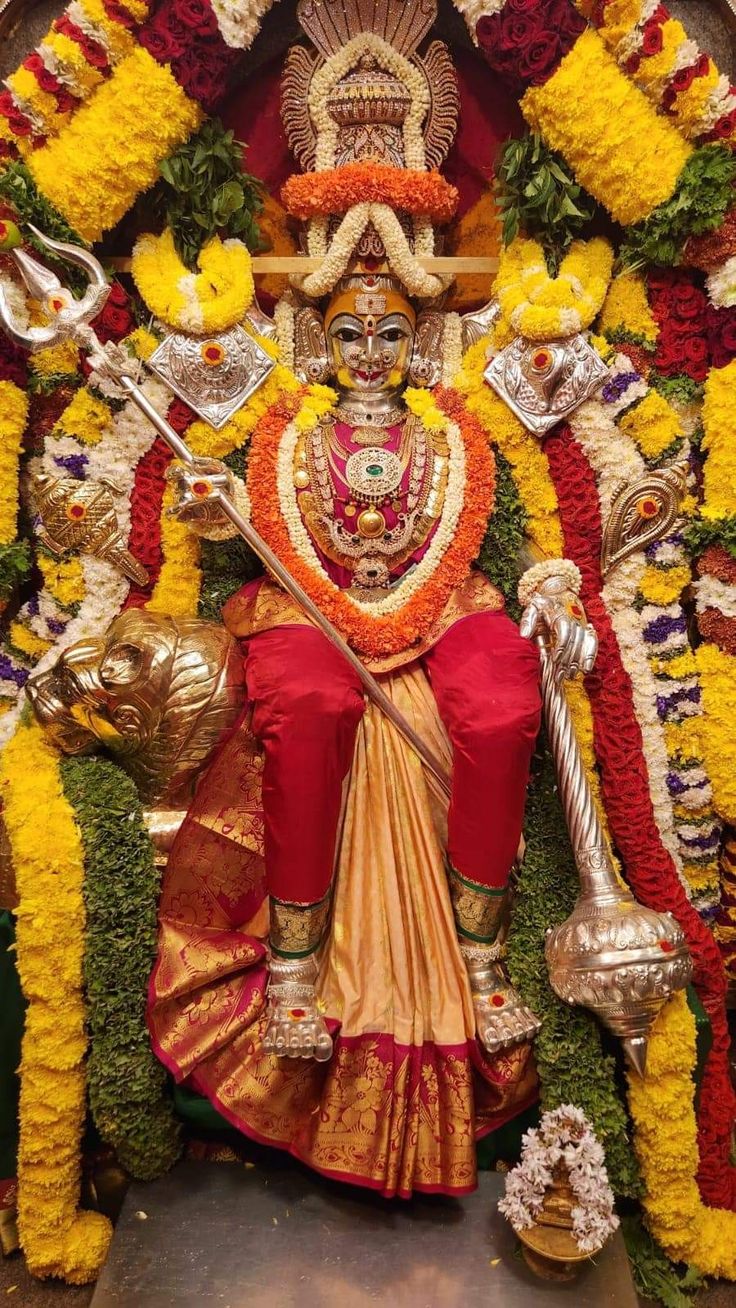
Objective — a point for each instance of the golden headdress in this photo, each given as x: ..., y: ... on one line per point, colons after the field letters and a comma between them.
x: 370, y: 120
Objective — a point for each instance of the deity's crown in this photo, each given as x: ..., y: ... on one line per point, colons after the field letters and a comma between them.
x: 370, y: 120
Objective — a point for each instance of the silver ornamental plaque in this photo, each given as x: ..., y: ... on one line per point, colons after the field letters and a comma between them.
x: 544, y: 382
x: 214, y: 375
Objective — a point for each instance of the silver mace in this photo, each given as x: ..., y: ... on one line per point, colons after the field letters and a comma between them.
x: 611, y: 955
x: 70, y: 321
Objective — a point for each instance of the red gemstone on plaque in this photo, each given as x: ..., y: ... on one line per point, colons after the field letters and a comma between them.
x: 76, y: 510
x: 200, y: 487
x: 297, y: 1012
x: 541, y: 359
x: 666, y: 946
x: 498, y: 1001
x: 649, y: 508
x: 576, y: 610
x: 56, y: 304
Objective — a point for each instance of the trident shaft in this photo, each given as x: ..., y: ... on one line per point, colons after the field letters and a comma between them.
x: 70, y: 320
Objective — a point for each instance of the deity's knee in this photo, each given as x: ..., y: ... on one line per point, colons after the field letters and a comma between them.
x: 323, y: 710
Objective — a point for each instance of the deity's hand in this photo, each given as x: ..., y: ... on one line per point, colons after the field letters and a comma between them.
x: 197, y: 489
x: 554, y: 612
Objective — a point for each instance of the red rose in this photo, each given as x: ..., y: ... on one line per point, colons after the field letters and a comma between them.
x: 689, y: 301
x: 177, y: 34
x: 540, y: 59
x: 633, y: 64
x: 702, y: 67
x: 683, y: 78
x: 46, y: 80
x: 518, y: 30
x: 198, y: 15
x: 118, y: 295
x: 113, y: 323
x: 180, y: 416
x: 65, y: 101
x: 652, y: 41
x: 728, y: 335
x: 694, y: 349
x: 159, y: 44
x: 522, y: 6
x: 119, y: 14
x: 203, y: 73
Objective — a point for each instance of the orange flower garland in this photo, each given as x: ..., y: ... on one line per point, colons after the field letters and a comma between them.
x: 389, y: 633
x: 311, y: 195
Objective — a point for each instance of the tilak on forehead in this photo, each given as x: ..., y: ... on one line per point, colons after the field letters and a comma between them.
x: 369, y: 303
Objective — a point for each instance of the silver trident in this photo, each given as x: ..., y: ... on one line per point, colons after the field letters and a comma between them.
x: 70, y: 320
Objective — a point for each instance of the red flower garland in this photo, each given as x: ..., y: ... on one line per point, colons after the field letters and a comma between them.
x: 680, y: 308
x: 184, y: 34
x: 625, y: 788
x: 526, y: 41
x: 146, y: 505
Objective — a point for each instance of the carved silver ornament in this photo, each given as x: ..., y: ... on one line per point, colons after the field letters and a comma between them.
x: 544, y: 382
x: 214, y: 375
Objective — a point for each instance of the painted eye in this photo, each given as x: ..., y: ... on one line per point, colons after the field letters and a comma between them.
x: 348, y: 335
x: 392, y: 335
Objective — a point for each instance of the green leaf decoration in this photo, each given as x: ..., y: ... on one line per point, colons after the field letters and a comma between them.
x: 127, y: 1084
x: 703, y: 194
x: 537, y: 194
x: 204, y: 192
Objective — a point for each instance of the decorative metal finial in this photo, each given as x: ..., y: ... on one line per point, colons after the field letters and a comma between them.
x: 611, y: 955
x: 643, y: 512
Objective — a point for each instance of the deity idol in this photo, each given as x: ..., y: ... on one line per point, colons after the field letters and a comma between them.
x: 384, y: 940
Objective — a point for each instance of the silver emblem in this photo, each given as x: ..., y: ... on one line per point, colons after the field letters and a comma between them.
x: 214, y: 375
x: 544, y: 382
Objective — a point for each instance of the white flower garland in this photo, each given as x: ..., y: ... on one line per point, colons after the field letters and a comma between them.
x: 284, y: 320
x: 538, y: 573
x: 337, y: 67
x: 452, y: 347
x: 400, y: 258
x: 440, y: 543
x: 564, y: 1135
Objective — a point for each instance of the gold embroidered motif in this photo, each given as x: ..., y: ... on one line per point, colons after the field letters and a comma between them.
x: 296, y: 929
x: 476, y: 908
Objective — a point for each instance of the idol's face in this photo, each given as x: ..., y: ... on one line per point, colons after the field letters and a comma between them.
x: 370, y: 352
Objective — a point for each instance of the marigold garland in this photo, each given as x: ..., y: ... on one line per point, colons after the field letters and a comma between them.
x: 13, y: 415
x: 375, y: 635
x: 110, y: 151
x: 209, y: 301
x: 626, y: 308
x: 86, y: 418
x: 665, y: 1140
x: 57, y: 1239
x: 619, y: 148
x: 335, y: 190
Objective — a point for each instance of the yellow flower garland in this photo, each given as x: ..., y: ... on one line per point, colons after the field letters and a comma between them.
x: 652, y: 424
x: 719, y: 423
x: 57, y: 1239
x: 86, y: 417
x: 665, y: 1139
x: 626, y: 307
x: 109, y: 152
x: 539, y: 306
x: 718, y: 680
x: 13, y: 415
x: 177, y: 589
x: 209, y: 301
x: 619, y: 148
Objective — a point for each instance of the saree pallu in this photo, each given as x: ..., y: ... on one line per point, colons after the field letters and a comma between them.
x: 408, y: 1090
